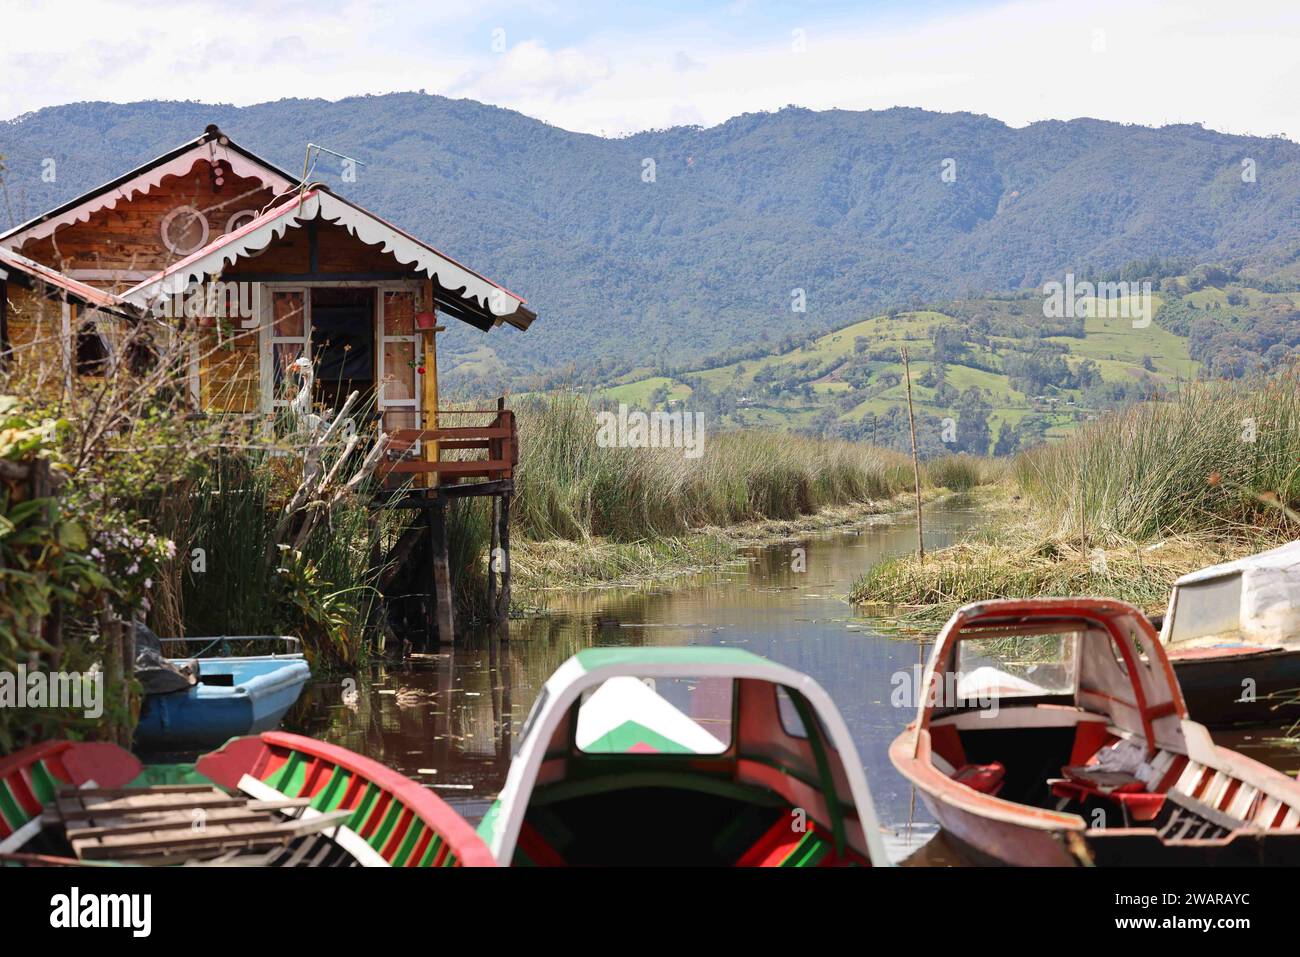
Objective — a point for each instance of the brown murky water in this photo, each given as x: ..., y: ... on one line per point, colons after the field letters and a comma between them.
x: 449, y: 720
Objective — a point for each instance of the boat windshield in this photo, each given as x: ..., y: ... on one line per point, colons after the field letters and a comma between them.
x: 634, y: 715
x: 1016, y: 666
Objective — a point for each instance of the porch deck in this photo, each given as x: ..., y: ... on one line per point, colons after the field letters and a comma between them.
x: 439, y: 458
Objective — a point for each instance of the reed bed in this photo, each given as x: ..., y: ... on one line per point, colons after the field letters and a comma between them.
x: 1126, y: 505
x: 1026, y: 567
x: 1220, y: 458
x: 571, y: 488
x: 559, y: 563
x: 229, y: 515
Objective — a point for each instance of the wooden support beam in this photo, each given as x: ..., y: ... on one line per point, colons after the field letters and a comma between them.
x: 429, y: 385
x: 503, y: 598
x: 4, y: 322
x: 444, y: 607
x: 493, y: 612
x: 397, y: 558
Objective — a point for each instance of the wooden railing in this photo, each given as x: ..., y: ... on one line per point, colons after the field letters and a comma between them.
x: 498, y: 438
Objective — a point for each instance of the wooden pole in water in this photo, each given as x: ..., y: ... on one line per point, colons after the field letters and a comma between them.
x: 916, y: 465
x: 443, y: 599
x: 493, y: 562
x: 503, y: 595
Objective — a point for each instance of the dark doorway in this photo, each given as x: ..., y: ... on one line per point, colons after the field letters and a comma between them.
x: 343, y: 345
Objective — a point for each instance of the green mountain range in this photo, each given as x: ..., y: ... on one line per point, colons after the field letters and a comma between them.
x: 657, y: 251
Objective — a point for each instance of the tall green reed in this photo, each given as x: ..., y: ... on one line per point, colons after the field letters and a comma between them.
x: 569, y: 487
x: 1219, y: 457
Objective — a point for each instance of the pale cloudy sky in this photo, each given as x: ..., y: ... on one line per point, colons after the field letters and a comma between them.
x: 618, y: 67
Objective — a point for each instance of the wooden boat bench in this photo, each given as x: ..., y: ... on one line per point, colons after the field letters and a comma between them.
x: 1086, y: 782
x: 165, y: 823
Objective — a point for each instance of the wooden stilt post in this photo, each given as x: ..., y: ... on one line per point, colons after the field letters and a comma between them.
x: 442, y: 596
x: 916, y: 466
x: 493, y: 562
x: 503, y: 525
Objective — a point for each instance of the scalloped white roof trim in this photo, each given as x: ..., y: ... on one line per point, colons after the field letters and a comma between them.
x: 370, y: 229
x: 152, y: 178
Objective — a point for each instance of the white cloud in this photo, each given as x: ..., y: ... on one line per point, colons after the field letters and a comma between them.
x: 530, y: 71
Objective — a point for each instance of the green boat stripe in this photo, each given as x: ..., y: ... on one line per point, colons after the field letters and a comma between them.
x: 810, y: 849
x: 833, y: 808
x: 362, y: 812
x: 593, y: 658
x: 431, y: 851
x: 43, y: 784
x: 413, y: 833
x: 9, y: 809
x: 330, y: 795
x: 289, y: 773
x: 380, y: 837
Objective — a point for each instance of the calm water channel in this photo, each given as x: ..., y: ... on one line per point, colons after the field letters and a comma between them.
x: 449, y: 720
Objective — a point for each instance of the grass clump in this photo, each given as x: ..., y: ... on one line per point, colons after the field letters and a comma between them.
x: 958, y: 473
x: 1025, y: 567
x: 558, y: 563
x: 1127, y: 504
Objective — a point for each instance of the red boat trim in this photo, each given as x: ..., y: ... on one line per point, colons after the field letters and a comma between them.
x: 407, y: 824
x: 31, y: 778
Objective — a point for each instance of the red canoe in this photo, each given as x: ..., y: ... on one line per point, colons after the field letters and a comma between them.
x: 393, y: 821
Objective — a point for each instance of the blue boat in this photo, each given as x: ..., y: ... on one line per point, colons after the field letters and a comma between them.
x: 233, y: 696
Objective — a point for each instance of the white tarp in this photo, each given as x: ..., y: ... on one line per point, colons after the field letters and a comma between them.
x: 1255, y: 600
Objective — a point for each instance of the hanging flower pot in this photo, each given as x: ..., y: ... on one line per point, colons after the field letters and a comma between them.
x: 426, y: 320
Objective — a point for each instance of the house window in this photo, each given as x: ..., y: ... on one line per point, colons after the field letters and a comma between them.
x: 400, y: 358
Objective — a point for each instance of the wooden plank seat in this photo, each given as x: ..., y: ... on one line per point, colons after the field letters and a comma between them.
x: 166, y: 823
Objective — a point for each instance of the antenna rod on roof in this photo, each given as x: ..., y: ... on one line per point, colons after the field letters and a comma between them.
x: 307, y: 163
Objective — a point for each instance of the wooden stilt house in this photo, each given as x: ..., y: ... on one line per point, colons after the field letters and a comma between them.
x: 299, y: 293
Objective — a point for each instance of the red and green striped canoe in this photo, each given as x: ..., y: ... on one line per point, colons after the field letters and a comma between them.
x: 405, y: 824
x: 30, y: 779
x: 395, y: 822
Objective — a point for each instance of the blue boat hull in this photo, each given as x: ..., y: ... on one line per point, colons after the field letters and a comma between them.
x: 235, y: 696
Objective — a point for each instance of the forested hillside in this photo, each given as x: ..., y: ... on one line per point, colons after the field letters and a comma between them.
x: 993, y: 374
x: 840, y: 214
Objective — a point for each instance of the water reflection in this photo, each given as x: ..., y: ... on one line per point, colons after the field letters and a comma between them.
x: 448, y: 719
